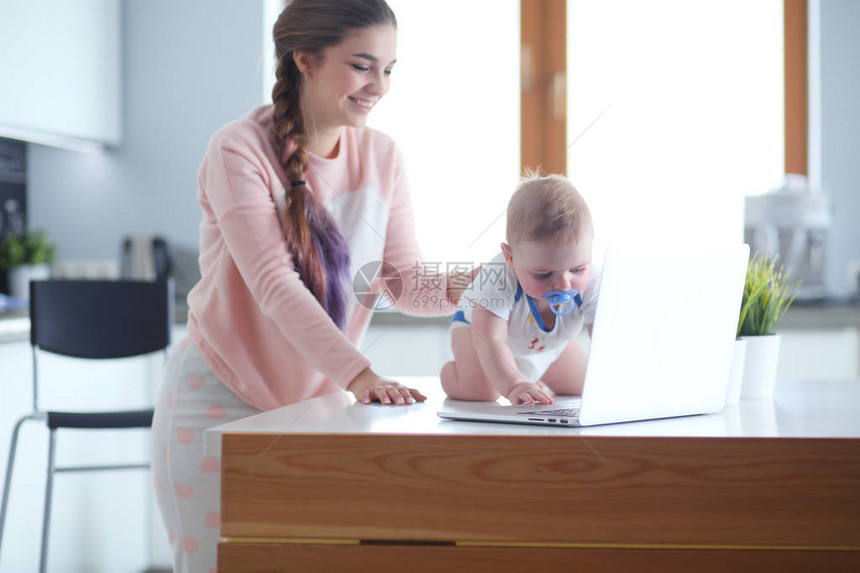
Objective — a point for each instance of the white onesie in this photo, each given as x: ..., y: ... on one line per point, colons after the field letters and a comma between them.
x: 534, y: 347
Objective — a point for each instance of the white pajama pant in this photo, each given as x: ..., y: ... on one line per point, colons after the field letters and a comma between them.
x: 187, y: 480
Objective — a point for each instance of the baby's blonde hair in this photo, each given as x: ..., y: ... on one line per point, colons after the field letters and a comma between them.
x: 547, y: 208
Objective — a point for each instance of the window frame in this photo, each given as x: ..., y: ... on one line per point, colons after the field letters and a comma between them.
x: 543, y: 118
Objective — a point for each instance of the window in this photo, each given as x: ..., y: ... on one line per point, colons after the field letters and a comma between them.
x: 676, y: 109
x: 689, y: 97
x: 453, y: 109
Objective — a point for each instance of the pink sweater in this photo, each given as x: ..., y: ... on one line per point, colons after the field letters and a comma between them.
x: 257, y: 326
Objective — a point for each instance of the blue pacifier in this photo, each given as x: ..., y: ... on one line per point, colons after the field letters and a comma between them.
x: 558, y: 298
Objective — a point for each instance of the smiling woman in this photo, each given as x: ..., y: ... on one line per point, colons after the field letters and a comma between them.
x: 297, y: 197
x: 343, y: 86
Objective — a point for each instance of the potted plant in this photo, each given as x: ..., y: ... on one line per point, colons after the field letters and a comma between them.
x: 24, y: 258
x: 767, y: 296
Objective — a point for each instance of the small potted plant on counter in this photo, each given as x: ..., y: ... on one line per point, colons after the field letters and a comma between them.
x: 24, y: 258
x: 767, y: 296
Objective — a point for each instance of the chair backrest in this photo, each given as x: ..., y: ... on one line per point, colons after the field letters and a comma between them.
x: 100, y: 319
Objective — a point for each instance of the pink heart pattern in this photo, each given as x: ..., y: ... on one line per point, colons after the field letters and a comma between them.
x: 184, y: 435
x: 195, y: 381
x: 190, y: 545
x: 216, y: 412
x: 184, y: 491
x: 213, y: 520
x: 211, y: 465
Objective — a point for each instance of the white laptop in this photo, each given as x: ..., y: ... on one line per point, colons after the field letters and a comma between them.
x: 661, y: 344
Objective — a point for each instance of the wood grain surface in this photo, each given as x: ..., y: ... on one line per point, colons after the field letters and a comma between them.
x: 269, y: 558
x: 696, y: 492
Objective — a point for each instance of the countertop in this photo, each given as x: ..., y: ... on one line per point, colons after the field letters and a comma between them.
x: 823, y: 314
x: 800, y: 409
x: 14, y: 326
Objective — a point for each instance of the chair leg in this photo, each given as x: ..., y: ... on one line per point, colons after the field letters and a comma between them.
x: 9, y: 467
x: 49, y: 489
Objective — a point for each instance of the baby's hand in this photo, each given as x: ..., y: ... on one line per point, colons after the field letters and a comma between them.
x: 544, y: 388
x: 528, y: 393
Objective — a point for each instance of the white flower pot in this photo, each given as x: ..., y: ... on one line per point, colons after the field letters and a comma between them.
x: 736, y: 376
x: 19, y: 278
x: 760, y: 361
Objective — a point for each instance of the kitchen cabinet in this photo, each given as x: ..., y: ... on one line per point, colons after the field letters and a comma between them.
x: 60, y: 69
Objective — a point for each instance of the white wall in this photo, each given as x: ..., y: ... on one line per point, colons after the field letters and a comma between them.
x: 840, y: 132
x: 189, y: 67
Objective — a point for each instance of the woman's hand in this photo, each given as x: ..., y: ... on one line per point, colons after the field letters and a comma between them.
x: 529, y: 393
x: 368, y: 386
x: 458, y: 282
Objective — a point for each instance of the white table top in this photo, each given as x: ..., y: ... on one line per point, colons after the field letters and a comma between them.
x: 809, y: 409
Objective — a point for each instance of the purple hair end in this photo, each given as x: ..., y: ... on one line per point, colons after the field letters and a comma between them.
x: 333, y: 251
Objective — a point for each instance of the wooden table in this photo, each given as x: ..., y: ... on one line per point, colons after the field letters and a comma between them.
x: 329, y: 485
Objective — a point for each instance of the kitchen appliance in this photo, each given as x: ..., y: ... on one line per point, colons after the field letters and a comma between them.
x: 147, y: 258
x: 791, y: 221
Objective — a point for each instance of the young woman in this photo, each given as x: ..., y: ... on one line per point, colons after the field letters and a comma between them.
x: 297, y: 196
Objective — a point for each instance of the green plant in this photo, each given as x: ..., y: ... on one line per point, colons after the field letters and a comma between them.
x: 27, y: 249
x: 767, y: 295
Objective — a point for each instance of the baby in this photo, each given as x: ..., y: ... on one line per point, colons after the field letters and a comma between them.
x: 513, y: 333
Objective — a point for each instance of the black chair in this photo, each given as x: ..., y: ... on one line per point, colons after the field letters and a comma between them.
x: 98, y: 320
